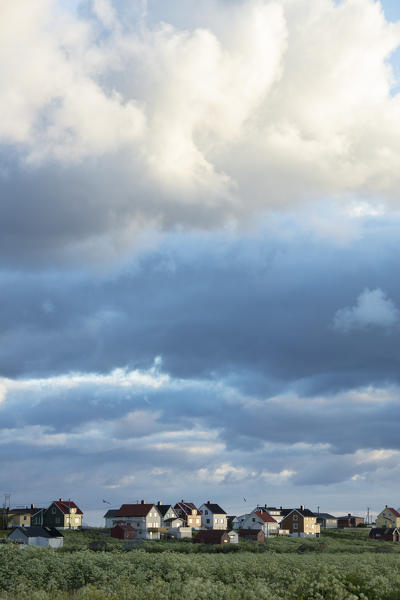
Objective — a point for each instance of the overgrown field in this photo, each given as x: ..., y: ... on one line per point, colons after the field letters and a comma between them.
x: 339, y: 566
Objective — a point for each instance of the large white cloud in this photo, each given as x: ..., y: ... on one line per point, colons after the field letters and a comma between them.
x: 269, y: 103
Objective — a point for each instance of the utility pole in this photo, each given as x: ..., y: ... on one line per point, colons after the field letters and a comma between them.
x: 368, y: 515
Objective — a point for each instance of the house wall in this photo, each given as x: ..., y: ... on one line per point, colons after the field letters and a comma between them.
x: 17, y: 520
x: 297, y: 525
x: 387, y: 519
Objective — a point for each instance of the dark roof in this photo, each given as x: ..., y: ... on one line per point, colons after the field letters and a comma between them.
x: 325, y: 516
x: 45, y: 532
x: 347, y: 517
x: 215, y: 508
x: 110, y: 513
x: 66, y: 505
x: 134, y: 510
x: 383, y: 531
x: 24, y: 511
x: 212, y: 536
x: 163, y: 508
x: 186, y: 507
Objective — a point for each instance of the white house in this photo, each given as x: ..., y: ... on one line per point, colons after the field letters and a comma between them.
x: 110, y: 517
x: 212, y: 516
x: 145, y: 518
x: 37, y: 536
x: 167, y: 513
x: 261, y: 520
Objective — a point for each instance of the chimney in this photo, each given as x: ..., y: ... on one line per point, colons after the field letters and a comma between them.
x: 349, y: 514
x: 208, y: 502
x: 159, y: 503
x: 32, y: 506
x: 266, y: 505
x: 385, y: 505
x: 301, y: 507
x: 280, y: 508
x: 60, y: 500
x: 142, y: 502
x: 182, y: 501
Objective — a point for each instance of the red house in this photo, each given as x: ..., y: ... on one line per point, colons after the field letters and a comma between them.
x: 212, y: 536
x: 123, y: 532
x: 349, y: 521
x: 251, y: 535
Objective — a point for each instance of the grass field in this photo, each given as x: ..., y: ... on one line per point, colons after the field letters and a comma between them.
x: 338, y: 566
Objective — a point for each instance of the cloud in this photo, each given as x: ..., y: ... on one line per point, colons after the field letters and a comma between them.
x: 256, y: 106
x: 373, y: 308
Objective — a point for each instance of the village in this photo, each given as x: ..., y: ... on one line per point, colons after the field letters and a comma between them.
x: 206, y: 524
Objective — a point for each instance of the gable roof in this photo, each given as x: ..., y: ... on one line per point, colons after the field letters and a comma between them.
x: 265, y: 517
x: 394, y: 511
x: 44, y: 532
x: 110, y: 513
x: 134, y: 510
x: 164, y: 508
x: 214, y: 508
x: 347, y: 517
x: 186, y: 507
x: 24, y: 511
x: 325, y: 516
x: 127, y: 527
x: 304, y: 512
x: 66, y: 505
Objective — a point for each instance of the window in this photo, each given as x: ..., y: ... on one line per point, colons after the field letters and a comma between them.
x: 208, y: 520
x: 295, y: 517
x: 53, y: 510
x: 25, y: 517
x: 295, y: 526
x: 206, y: 512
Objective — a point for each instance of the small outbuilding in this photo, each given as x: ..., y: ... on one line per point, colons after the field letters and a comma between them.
x: 386, y: 534
x: 233, y: 536
x: 251, y: 535
x: 212, y: 536
x: 123, y: 532
x: 37, y: 536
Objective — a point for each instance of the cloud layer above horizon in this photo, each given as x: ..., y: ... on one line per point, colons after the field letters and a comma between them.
x: 199, y: 246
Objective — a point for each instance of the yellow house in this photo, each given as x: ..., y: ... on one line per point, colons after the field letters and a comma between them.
x: 24, y: 517
x: 389, y: 517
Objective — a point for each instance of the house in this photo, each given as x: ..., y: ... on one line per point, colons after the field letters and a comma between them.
x: 18, y: 517
x: 386, y: 534
x: 212, y: 536
x: 63, y: 514
x: 143, y: 517
x: 189, y: 513
x: 301, y: 522
x: 166, y: 511
x: 349, y: 521
x: 213, y: 516
x: 123, y: 532
x: 277, y: 513
x: 238, y: 521
x: 261, y: 520
x: 110, y: 517
x: 37, y: 536
x: 389, y: 517
x: 251, y: 535
x: 175, y: 523
x: 326, y: 521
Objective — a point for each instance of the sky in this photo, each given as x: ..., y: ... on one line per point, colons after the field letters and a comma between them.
x: 199, y: 256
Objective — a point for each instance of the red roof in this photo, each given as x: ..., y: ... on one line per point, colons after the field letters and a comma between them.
x: 134, y: 510
x: 394, y: 511
x: 66, y: 505
x: 266, y: 517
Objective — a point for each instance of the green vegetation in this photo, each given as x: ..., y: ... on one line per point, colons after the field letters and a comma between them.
x: 338, y: 566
